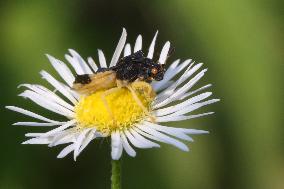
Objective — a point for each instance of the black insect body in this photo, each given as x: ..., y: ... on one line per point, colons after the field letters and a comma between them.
x: 137, y: 66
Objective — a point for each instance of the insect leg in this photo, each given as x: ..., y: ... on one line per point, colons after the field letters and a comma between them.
x: 103, y: 97
x: 138, y: 101
x: 121, y: 83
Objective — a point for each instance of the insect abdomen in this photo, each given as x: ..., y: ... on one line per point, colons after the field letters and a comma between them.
x: 95, y: 82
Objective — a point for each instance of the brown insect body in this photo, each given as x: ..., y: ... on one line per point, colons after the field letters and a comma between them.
x: 88, y: 84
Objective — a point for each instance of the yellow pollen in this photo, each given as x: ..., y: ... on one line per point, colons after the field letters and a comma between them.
x: 91, y: 111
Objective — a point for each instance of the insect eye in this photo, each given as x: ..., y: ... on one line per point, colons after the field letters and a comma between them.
x: 154, y: 71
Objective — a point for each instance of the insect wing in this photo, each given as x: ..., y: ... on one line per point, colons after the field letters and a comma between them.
x: 99, y: 81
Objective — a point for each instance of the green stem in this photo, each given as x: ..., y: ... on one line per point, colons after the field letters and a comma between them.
x: 115, y: 174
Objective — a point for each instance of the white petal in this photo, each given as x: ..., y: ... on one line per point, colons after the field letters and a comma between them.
x: 30, y: 114
x: 174, y: 69
x: 129, y: 150
x: 194, y: 107
x: 183, y: 130
x: 61, y: 128
x: 67, y: 150
x: 102, y: 59
x: 58, y: 86
x: 119, y: 48
x: 76, y: 95
x: 189, y: 72
x: 92, y: 64
x: 179, y: 92
x: 157, y: 85
x: 62, y: 70
x: 56, y: 98
x: 34, y: 134
x: 98, y: 134
x: 77, y: 58
x: 148, y: 135
x: 37, y: 141
x: 186, y: 74
x: 168, y: 139
x: 171, y: 72
x: 63, y: 137
x: 145, y: 141
x: 194, y: 131
x: 89, y: 137
x: 169, y: 130
x: 171, y: 89
x: 116, y: 145
x: 164, y: 53
x: 170, y: 118
x: 168, y: 75
x: 137, y: 143
x: 195, y: 91
x: 138, y: 44
x: 49, y: 95
x: 47, y: 103
x: 78, y: 142
x: 127, y: 50
x: 176, y: 94
x: 152, y: 47
x: 173, y: 66
x: 161, y: 86
x: 75, y: 64
x: 174, y: 108
x: 36, y: 124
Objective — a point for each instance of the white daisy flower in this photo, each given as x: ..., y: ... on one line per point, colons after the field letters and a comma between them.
x: 87, y: 117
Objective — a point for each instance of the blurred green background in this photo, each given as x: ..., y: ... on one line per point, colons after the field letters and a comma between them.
x: 241, y: 42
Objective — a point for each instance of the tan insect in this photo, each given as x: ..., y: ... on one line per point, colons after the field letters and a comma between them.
x: 133, y: 71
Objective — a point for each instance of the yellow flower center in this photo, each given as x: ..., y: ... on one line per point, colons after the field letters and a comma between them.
x: 119, y: 111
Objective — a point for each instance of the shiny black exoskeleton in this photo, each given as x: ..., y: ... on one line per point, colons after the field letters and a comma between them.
x: 137, y: 66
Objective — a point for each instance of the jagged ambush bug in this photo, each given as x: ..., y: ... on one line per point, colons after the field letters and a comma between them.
x: 132, y: 72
